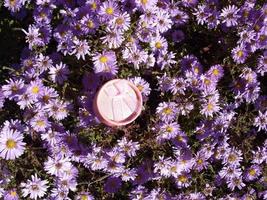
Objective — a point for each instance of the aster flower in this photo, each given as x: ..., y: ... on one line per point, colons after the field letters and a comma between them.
x: 179, y: 17
x: 235, y: 182
x: 166, y: 59
x: 233, y: 157
x: 11, y: 144
x: 80, y: 48
x: 108, y: 9
x: 59, y: 73
x: 43, y: 63
x: 252, y: 173
x: 35, y: 187
x: 89, y: 24
x: 168, y: 130
x: 135, y: 55
x: 11, y: 195
x: 210, y: 106
x: 13, y: 88
x: 183, y: 180
x: 167, y: 111
x: 262, y: 64
x: 105, y: 62
x: 146, y: 4
x: 142, y: 85
x: 216, y: 72
x: 261, y: 121
x: 230, y: 15
x: 34, y: 88
x: 128, y: 146
x: 33, y: 37
x: 40, y: 123
x: 158, y: 43
x: 57, y: 165
x: 13, y: 5
x: 121, y: 21
x: 113, y: 38
x: 57, y: 109
x: 162, y: 21
x: 84, y: 196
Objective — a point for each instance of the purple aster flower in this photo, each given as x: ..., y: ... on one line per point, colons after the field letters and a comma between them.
x: 57, y: 109
x: 121, y: 21
x: 34, y: 88
x: 183, y: 180
x: 158, y: 43
x: 113, y: 38
x: 11, y: 195
x: 167, y: 111
x: 142, y: 85
x: 138, y: 193
x: 57, y: 165
x: 233, y: 157
x: 105, y: 63
x: 178, y: 36
x: 145, y: 5
x: 46, y: 96
x: 201, y: 14
x: 168, y: 130
x: 261, y: 121
x: 261, y: 103
x: 230, y: 15
x: 180, y: 17
x: 84, y: 196
x: 13, y: 5
x: 210, y: 106
x: 253, y: 173
x: 235, y: 182
x: 33, y: 37
x: 229, y: 172
x: 59, y: 73
x: 43, y: 63
x: 108, y: 10
x: 11, y: 144
x: 200, y: 161
x: 35, y: 187
x: 80, y: 48
x: 166, y: 59
x: 135, y: 55
x: 89, y: 24
x: 162, y: 21
x: 112, y: 185
x: 40, y: 123
x: 216, y: 72
x: 262, y: 64
x: 128, y: 146
x: 13, y: 88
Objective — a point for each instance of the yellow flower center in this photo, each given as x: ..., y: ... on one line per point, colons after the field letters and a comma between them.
x: 84, y: 197
x: 158, y: 45
x: 231, y: 158
x: 207, y: 81
x: 40, y: 123
x: 196, y: 70
x: 169, y: 129
x: 215, y: 72
x: 10, y: 143
x: 240, y: 53
x: 144, y: 1
x: 119, y: 21
x: 182, y: 178
x: 94, y: 6
x: 13, y: 193
x: 103, y: 59
x: 109, y: 11
x: 35, y: 89
x: 199, y: 161
x: 140, y: 88
x: 252, y: 172
x: 90, y: 24
x: 209, y: 107
x: 167, y: 111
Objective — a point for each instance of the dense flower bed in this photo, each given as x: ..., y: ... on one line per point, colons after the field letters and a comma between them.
x: 200, y: 66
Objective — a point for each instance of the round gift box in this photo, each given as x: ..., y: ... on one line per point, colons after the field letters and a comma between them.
x: 118, y: 102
